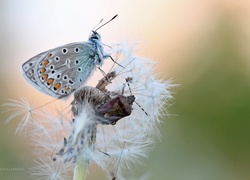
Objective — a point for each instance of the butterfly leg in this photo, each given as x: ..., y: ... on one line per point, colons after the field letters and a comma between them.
x: 108, y: 56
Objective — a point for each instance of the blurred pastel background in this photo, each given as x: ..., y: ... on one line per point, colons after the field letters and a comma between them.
x: 203, y: 45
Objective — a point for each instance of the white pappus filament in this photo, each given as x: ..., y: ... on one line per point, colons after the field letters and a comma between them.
x: 112, y: 125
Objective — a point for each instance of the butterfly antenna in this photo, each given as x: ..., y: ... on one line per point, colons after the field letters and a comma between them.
x: 107, y: 22
x: 95, y: 27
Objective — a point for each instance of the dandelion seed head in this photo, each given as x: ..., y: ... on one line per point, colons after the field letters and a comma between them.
x: 129, y: 141
x: 112, y: 125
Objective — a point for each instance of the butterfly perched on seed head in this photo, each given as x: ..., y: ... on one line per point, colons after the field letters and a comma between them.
x: 60, y: 71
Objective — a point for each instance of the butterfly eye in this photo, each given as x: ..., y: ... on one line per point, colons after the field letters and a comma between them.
x: 94, y: 37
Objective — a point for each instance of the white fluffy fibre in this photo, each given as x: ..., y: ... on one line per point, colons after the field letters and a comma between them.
x: 128, y: 142
x: 114, y: 148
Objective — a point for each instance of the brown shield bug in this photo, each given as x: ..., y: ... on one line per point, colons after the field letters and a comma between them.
x: 115, y: 109
x: 109, y: 106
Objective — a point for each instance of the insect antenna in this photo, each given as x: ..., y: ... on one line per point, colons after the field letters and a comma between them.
x: 129, y: 79
x: 106, y: 22
x: 97, y: 24
x: 106, y: 45
x: 95, y: 27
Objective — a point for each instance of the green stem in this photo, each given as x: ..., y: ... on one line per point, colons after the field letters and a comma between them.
x: 80, y: 168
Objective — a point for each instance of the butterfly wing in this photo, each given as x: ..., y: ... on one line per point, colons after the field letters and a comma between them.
x: 60, y: 71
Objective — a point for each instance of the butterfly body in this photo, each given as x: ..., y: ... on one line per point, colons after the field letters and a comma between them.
x: 60, y: 71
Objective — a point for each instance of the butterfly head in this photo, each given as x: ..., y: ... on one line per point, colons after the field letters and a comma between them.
x: 95, y: 36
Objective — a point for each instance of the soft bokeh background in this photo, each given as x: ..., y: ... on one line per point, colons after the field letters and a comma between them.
x: 202, y: 44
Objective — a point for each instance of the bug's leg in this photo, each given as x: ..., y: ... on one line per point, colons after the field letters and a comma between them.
x: 129, y: 79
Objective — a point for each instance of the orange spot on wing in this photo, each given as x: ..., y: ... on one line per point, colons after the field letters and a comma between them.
x: 45, y: 62
x: 50, y: 81
x: 49, y: 55
x: 43, y: 70
x: 45, y: 77
x: 57, y: 86
x: 67, y: 89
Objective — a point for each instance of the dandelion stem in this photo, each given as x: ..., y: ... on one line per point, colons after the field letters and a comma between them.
x: 80, y: 168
